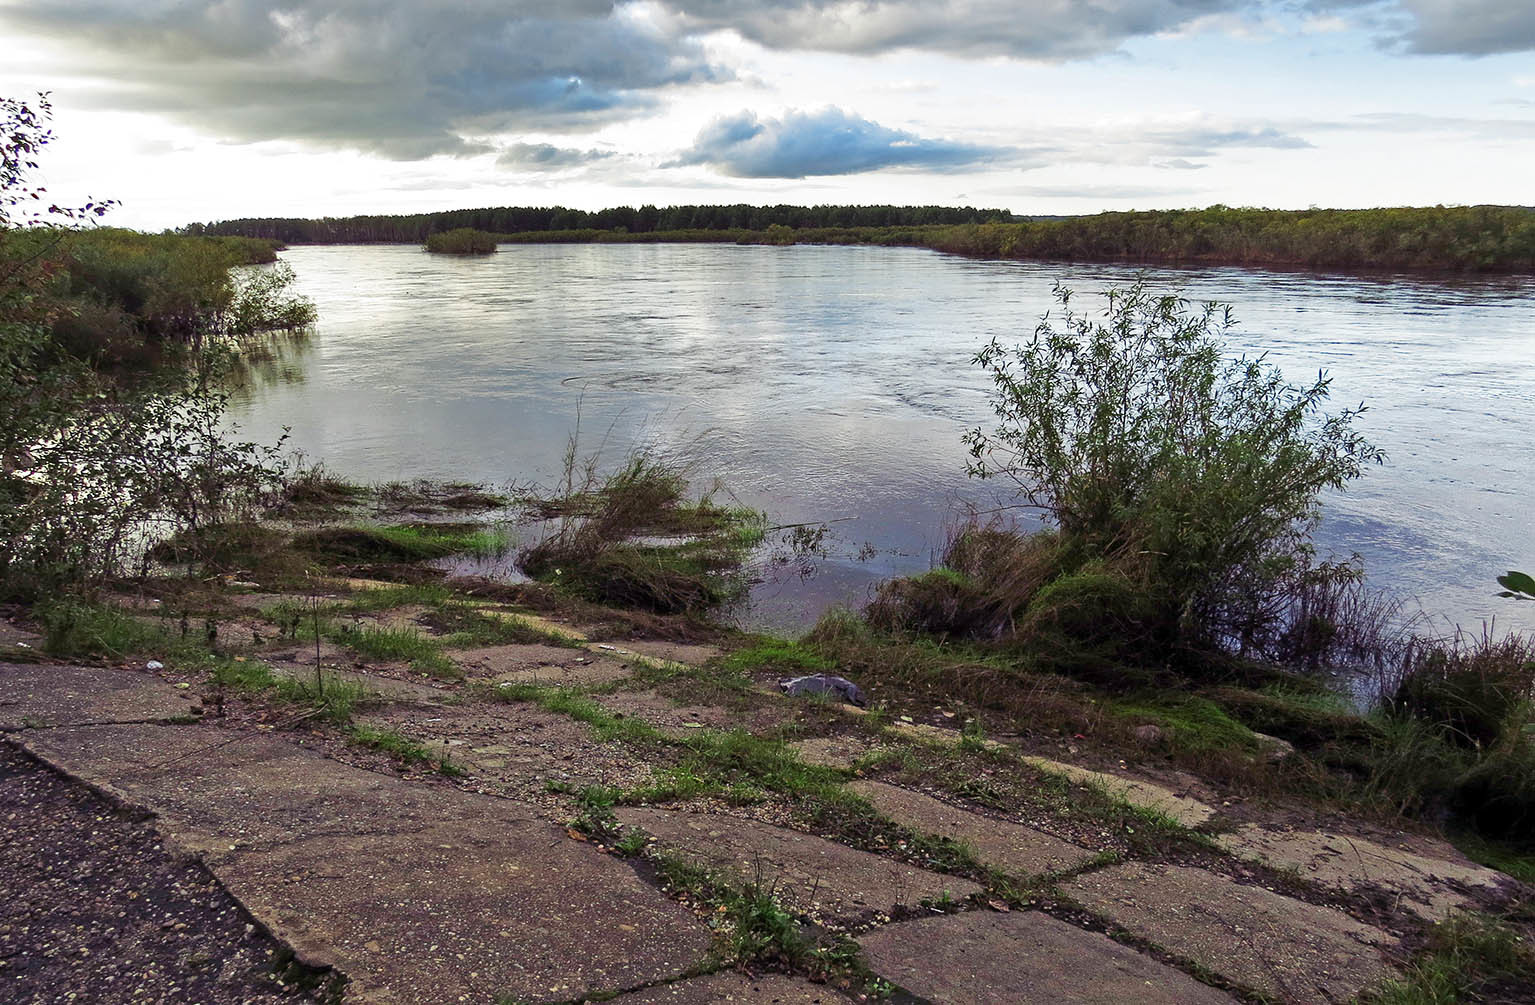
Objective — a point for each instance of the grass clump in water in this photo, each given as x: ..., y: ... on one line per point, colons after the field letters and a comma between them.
x: 404, y: 542
x: 605, y: 550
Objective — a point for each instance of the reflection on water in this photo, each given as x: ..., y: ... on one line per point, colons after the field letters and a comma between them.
x: 282, y: 358
x: 832, y: 384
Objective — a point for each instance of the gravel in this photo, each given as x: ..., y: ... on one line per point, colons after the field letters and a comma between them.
x: 95, y: 910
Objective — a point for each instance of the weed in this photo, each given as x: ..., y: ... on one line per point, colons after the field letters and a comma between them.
x: 399, y: 747
x: 1468, y: 958
x: 79, y: 628
x: 314, y: 494
x: 632, y: 843
x: 386, y: 643
x: 595, y: 817
x: 972, y: 737
x: 333, y: 699
x: 752, y: 927
x: 595, y: 553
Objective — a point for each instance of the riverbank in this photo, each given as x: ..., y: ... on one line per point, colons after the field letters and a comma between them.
x: 1461, y: 239
x: 629, y: 743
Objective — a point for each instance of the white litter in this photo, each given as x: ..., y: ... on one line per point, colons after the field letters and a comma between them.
x: 154, y: 665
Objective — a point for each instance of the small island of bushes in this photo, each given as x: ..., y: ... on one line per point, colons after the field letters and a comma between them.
x: 461, y: 241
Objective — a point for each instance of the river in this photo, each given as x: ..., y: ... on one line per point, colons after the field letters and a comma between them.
x: 834, y: 383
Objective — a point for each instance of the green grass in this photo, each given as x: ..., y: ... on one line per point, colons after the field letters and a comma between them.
x: 380, y: 642
x: 79, y: 628
x: 424, y: 654
x: 753, y: 928
x: 1191, y: 724
x: 378, y: 599
x: 778, y: 654
x: 1468, y: 958
x: 331, y: 698
x: 401, y: 748
x: 404, y: 542
x: 1515, y: 861
x: 465, y: 625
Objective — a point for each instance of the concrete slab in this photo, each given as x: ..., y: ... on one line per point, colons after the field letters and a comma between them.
x: 403, y: 685
x: 12, y: 633
x: 811, y: 875
x: 33, y: 694
x: 664, y: 714
x: 766, y: 989
x: 1002, y: 844
x: 1428, y: 886
x: 988, y: 958
x: 1294, y: 951
x: 540, y: 664
x: 924, y: 733
x: 1138, y: 792
x: 420, y: 893
x: 687, y: 654
x: 840, y: 752
x: 516, y: 747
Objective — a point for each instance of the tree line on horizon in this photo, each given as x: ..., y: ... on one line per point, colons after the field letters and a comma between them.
x: 1426, y: 238
x: 411, y: 228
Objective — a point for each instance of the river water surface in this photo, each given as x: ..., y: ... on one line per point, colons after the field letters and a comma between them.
x: 834, y: 383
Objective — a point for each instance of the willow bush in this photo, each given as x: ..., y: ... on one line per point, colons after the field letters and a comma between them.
x: 1166, y: 465
x: 94, y: 463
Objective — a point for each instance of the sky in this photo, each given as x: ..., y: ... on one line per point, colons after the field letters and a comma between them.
x: 197, y: 110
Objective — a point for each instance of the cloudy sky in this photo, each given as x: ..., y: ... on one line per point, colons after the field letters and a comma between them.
x: 209, y: 109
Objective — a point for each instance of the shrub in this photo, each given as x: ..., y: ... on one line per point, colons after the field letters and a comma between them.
x: 940, y: 602
x: 1137, y: 436
x: 92, y: 468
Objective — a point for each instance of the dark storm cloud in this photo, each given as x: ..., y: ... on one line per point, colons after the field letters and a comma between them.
x: 398, y: 77
x: 547, y: 157
x: 828, y: 142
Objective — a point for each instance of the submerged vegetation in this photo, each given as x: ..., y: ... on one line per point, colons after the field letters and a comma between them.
x: 1439, y: 238
x: 633, y: 539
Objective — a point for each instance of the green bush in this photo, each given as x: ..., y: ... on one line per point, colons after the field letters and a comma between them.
x: 1144, y: 443
x: 939, y: 602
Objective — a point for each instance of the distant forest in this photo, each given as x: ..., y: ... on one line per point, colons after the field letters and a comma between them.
x: 415, y: 228
x: 1423, y: 239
